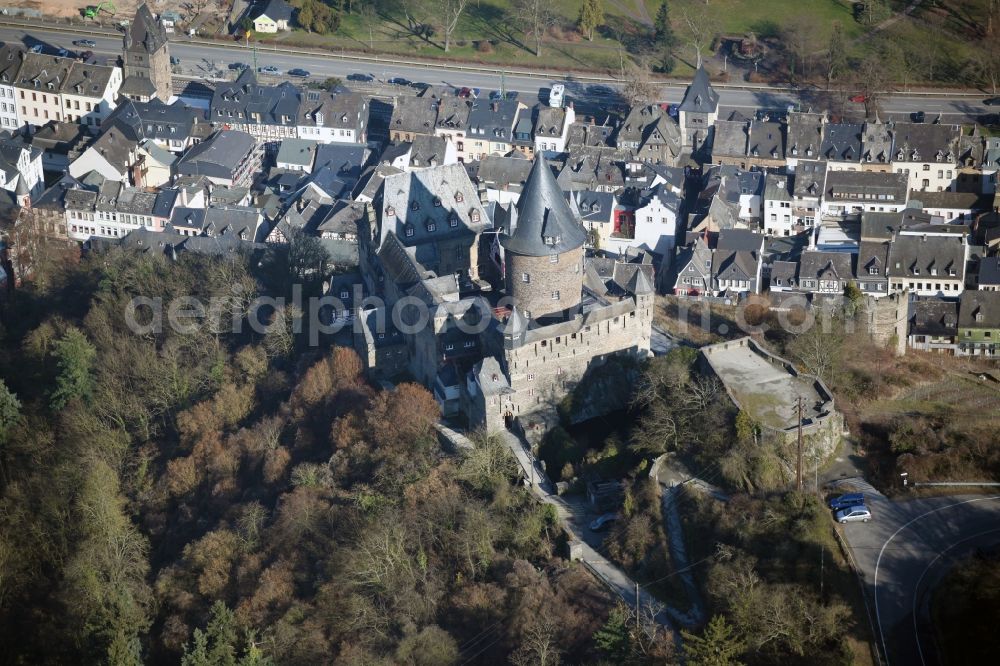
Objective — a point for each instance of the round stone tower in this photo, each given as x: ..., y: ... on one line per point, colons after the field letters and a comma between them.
x: 543, y: 248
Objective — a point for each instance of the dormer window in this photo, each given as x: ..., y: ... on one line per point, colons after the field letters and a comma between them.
x: 453, y: 220
x: 437, y: 202
x: 408, y: 230
x: 474, y: 216
x: 431, y: 227
x: 390, y: 211
x: 979, y: 315
x: 459, y: 197
x: 414, y: 205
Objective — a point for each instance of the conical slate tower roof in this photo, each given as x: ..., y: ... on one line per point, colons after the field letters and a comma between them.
x: 700, y: 96
x: 145, y: 30
x: 639, y: 284
x: 545, y: 222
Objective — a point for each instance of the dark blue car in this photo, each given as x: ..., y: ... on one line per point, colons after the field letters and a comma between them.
x: 848, y: 500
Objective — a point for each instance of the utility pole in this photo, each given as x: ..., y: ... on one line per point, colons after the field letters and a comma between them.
x: 798, y: 463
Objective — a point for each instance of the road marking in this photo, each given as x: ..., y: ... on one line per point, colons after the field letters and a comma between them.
x: 878, y: 618
x: 916, y: 588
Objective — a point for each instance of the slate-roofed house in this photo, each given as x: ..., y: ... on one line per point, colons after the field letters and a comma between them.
x: 736, y: 262
x: 877, y: 230
x: 933, y: 325
x: 332, y: 117
x: 412, y: 117
x: 989, y: 274
x: 297, y: 155
x: 20, y: 166
x: 954, y: 207
x: 228, y: 157
x: 599, y: 214
x: 592, y: 169
x: 842, y: 146
x: 928, y: 153
x: 825, y: 272
x: 502, y: 177
x: 850, y: 192
x: 729, y: 145
x: 38, y: 86
x: 807, y: 193
x: 551, y: 129
x: 242, y: 222
x: 650, y: 134
x: 146, y: 58
x: 11, y: 57
x: 171, y: 127
x: 929, y: 263
x: 267, y: 113
x: 431, y: 151
x: 698, y: 111
x: 453, y: 123
x: 437, y: 213
x: 89, y: 93
x: 766, y: 144
x: 803, y: 137
x: 112, y: 155
x: 658, y: 213
x: 876, y: 140
x: 778, y: 219
x: 273, y: 16
x: 491, y: 128
x: 979, y: 323
x: 524, y: 140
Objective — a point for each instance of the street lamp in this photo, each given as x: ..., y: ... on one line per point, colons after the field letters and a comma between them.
x: 903, y: 476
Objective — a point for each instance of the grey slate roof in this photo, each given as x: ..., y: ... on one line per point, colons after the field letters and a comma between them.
x: 549, y: 122
x: 544, y: 224
x: 926, y: 142
x: 89, y: 80
x: 814, y: 264
x: 879, y: 226
x: 115, y: 147
x: 493, y: 120
x: 11, y: 57
x: 979, y: 309
x: 842, y: 142
x: 778, y: 187
x: 767, y: 139
x: 503, y: 172
x: 810, y: 179
x: 156, y: 120
x: 245, y: 101
x: 916, y: 256
x: 804, y: 135
x: 877, y: 142
x: 850, y: 185
x: 989, y: 271
x: 278, y: 10
x: 453, y: 114
x: 145, y: 31
x: 427, y: 150
x: 934, y: 318
x: 219, y: 156
x: 44, y: 73
x: 347, y: 160
x: 700, y: 96
x: 341, y: 110
x: 730, y: 139
x: 298, y: 152
x: 417, y: 115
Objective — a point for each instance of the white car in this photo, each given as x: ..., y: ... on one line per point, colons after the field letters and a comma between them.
x: 854, y: 514
x: 603, y: 521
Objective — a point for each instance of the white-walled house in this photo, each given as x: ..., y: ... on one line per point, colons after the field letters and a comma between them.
x: 275, y: 16
x: 112, y: 155
x: 850, y: 192
x: 552, y: 128
x: 778, y: 219
x: 89, y: 94
x: 53, y: 88
x: 332, y: 117
x: 928, y: 154
x: 656, y: 221
x: 11, y: 57
x: 19, y: 163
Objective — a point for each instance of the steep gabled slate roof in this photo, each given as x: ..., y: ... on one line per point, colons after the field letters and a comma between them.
x: 145, y: 31
x: 979, y: 309
x: 935, y: 318
x: 545, y: 223
x: 700, y: 96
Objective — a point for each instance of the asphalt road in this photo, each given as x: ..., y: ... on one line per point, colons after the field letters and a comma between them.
x: 202, y: 60
x: 905, y: 551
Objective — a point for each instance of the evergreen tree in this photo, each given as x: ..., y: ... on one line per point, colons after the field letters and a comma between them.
x: 591, y: 16
x: 614, y: 639
x: 75, y: 358
x: 664, y: 39
x: 717, y: 646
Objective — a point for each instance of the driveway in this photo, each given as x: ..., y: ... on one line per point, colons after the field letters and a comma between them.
x: 905, y: 551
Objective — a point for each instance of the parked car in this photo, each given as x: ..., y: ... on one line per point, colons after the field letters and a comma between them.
x: 237, y: 66
x: 854, y: 514
x: 849, y: 499
x: 989, y: 119
x: 992, y: 101
x: 86, y: 56
x: 298, y: 71
x: 360, y: 77
x: 174, y: 60
x: 601, y: 91
x: 475, y: 92
x: 495, y: 95
x: 511, y: 95
x: 37, y: 48
x: 601, y: 522
x: 918, y: 117
x: 464, y: 92
x: 858, y: 99
x: 87, y: 43
x: 420, y: 85
x: 399, y: 81
x: 269, y: 69
x: 674, y: 110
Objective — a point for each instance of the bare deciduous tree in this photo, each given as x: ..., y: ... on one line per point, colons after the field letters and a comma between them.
x: 534, y: 18
x: 451, y: 12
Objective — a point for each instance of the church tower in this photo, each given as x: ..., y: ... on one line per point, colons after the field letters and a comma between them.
x: 698, y: 112
x: 147, y: 59
x: 543, y: 249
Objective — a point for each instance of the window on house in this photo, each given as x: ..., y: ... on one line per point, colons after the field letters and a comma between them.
x: 554, y: 259
x: 525, y: 277
x: 555, y: 295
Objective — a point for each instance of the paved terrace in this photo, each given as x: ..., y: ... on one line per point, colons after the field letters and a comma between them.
x: 765, y: 387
